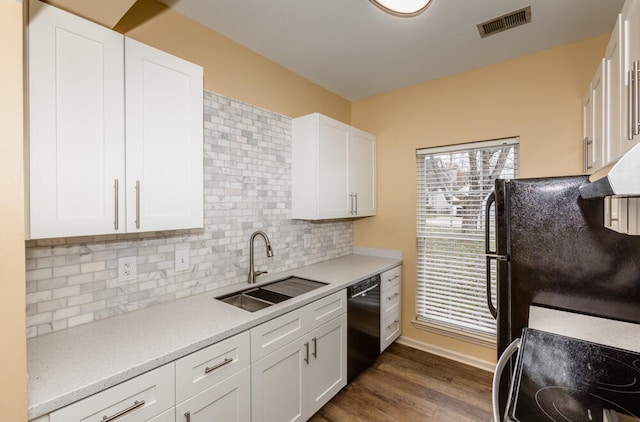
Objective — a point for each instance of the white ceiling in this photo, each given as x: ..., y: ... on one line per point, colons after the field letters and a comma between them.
x: 355, y: 50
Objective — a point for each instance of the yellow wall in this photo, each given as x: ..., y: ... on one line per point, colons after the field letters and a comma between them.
x: 537, y: 97
x: 229, y: 68
x: 13, y: 367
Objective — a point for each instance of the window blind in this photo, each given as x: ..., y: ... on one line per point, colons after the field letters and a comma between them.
x: 453, y: 183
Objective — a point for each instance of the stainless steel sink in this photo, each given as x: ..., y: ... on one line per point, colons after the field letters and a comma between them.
x: 256, y: 298
x: 243, y: 301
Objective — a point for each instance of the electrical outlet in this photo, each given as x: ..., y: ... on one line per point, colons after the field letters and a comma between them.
x: 182, y: 260
x: 307, y: 240
x: 127, y: 268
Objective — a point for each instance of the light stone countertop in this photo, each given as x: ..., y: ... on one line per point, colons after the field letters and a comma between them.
x: 72, y: 364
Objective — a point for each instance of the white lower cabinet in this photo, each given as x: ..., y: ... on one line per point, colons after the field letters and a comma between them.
x: 214, y: 384
x: 284, y: 369
x: 308, y: 367
x: 226, y: 401
x: 294, y: 382
x: 390, y: 306
x: 137, y: 400
x: 168, y: 416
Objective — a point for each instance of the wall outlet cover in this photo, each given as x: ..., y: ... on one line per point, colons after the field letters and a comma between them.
x: 182, y: 260
x: 127, y: 268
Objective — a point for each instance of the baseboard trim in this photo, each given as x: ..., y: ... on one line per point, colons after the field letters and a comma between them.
x: 449, y: 354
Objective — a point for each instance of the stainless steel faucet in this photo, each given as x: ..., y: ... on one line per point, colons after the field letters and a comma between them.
x: 253, y: 274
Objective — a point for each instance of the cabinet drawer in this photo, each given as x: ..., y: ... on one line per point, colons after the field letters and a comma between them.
x: 272, y: 335
x: 324, y: 310
x: 391, y: 278
x: 390, y: 299
x: 207, y: 367
x: 229, y: 400
x: 138, y: 400
x: 390, y: 330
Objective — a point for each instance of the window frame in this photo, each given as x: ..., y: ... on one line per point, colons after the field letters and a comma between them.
x: 422, y: 320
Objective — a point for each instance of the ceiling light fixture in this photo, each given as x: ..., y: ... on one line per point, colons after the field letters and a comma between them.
x: 402, y: 8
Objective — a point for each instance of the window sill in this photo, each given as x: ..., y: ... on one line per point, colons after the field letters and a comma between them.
x: 456, y: 333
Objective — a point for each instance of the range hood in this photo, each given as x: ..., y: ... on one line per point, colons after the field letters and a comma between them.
x: 621, y: 178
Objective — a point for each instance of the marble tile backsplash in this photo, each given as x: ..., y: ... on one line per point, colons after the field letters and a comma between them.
x: 247, y: 183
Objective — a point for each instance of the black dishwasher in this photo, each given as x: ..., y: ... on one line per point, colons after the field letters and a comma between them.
x: 363, y: 325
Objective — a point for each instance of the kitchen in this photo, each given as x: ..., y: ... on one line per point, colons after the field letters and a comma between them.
x: 429, y: 115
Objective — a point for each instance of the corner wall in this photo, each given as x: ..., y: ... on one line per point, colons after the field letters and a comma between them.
x: 13, y: 367
x: 536, y: 97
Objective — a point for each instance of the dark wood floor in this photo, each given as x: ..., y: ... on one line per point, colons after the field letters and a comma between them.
x: 405, y: 384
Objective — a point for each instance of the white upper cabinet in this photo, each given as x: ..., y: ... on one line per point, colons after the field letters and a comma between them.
x: 614, y: 93
x: 362, y: 172
x: 333, y: 169
x: 630, y: 118
x: 617, y: 82
x: 593, y: 110
x: 78, y: 139
x: 76, y: 125
x: 164, y: 121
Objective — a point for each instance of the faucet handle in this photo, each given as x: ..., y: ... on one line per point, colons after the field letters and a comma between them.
x: 257, y: 273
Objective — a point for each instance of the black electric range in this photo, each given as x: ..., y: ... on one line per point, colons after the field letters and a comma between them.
x: 562, y: 379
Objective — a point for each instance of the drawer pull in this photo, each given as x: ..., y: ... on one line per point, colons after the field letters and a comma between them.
x: 188, y: 416
x: 136, y: 404
x: 209, y: 369
x: 392, y: 324
x: 396, y: 294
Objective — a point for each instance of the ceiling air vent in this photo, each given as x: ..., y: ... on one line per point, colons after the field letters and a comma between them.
x: 504, y: 22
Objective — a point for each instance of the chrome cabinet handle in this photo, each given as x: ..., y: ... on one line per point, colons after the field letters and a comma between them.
x: 306, y: 359
x: 315, y: 347
x: 587, y: 144
x: 136, y: 404
x: 137, y: 204
x: 630, y: 105
x: 636, y: 96
x: 396, y: 294
x: 226, y: 361
x: 351, y: 207
x: 356, y: 195
x: 116, y: 217
x: 188, y: 416
x: 392, y: 324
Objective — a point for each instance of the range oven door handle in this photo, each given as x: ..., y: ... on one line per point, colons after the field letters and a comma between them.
x: 495, y: 388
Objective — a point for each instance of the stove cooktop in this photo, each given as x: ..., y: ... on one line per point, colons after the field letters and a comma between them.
x: 562, y: 379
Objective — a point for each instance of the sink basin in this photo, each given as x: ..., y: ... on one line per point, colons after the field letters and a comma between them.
x: 292, y: 286
x: 256, y: 298
x: 243, y: 301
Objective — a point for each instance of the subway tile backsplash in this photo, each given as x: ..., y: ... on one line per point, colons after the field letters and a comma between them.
x: 72, y: 281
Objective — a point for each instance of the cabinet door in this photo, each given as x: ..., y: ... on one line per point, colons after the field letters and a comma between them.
x: 228, y: 401
x: 333, y: 168
x: 76, y: 125
x: 277, y: 391
x: 327, y: 362
x: 630, y: 23
x: 164, y: 121
x: 362, y: 172
x: 614, y: 94
x: 593, y: 115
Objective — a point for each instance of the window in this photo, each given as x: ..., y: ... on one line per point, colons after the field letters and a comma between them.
x: 453, y: 183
